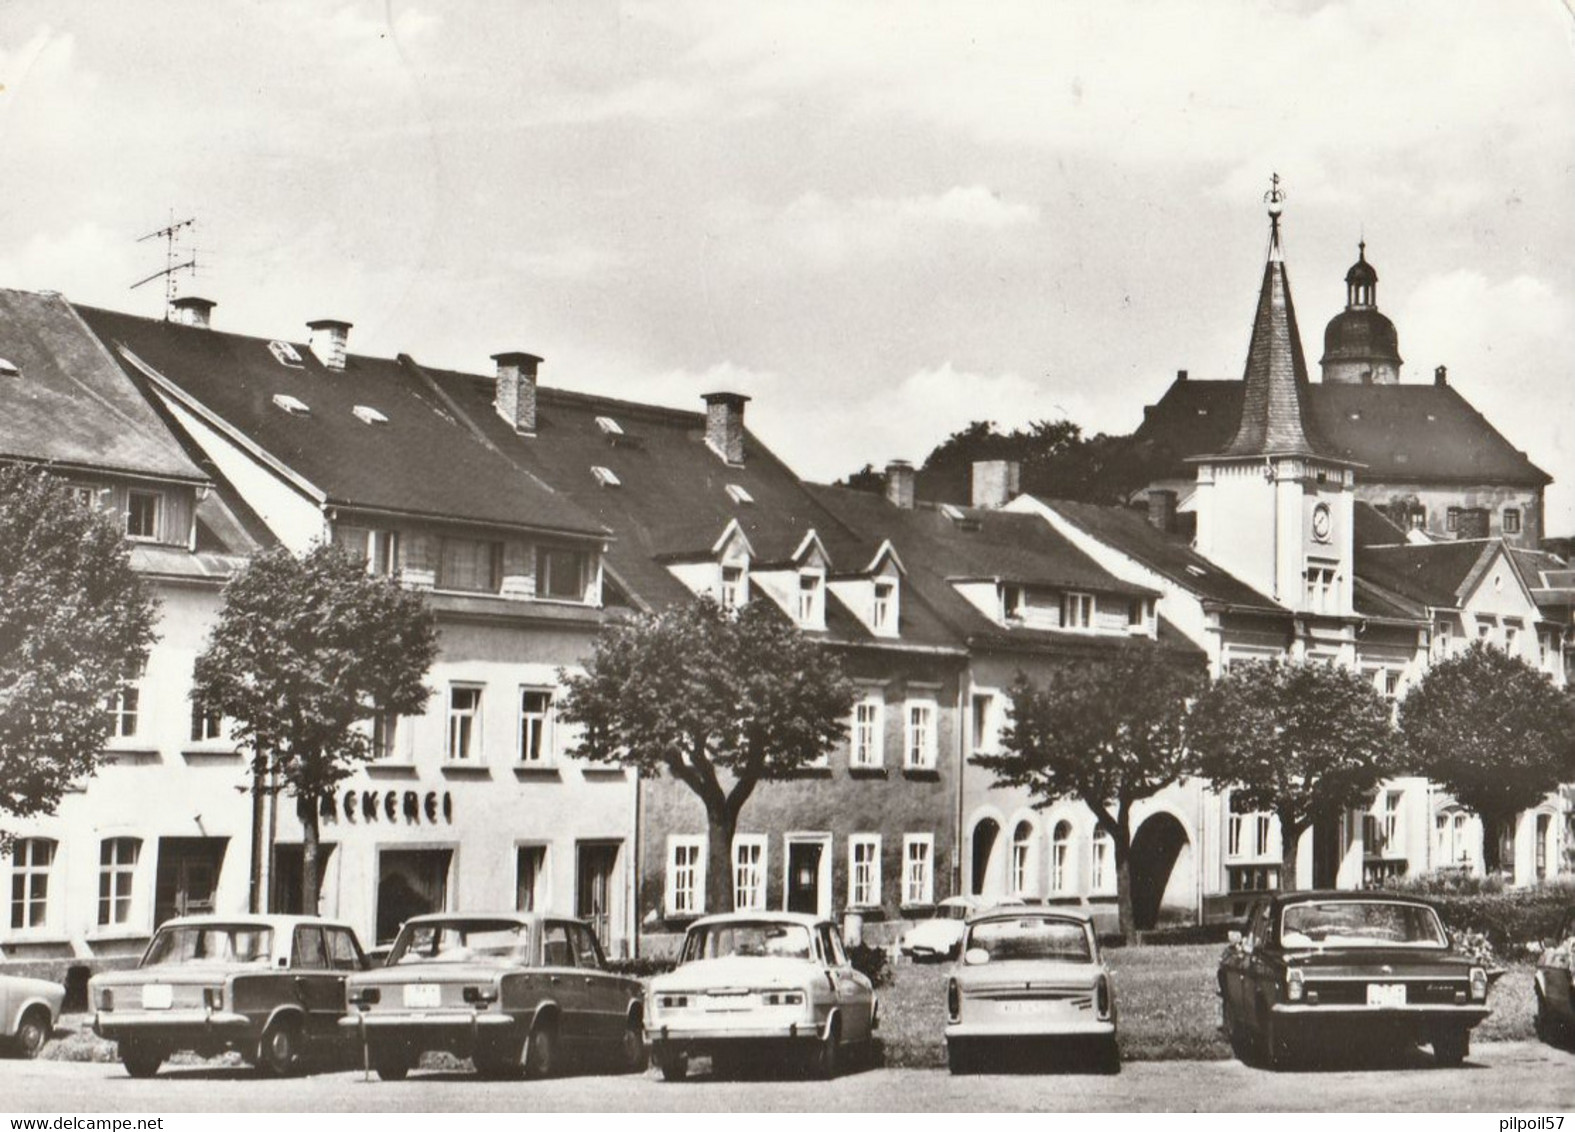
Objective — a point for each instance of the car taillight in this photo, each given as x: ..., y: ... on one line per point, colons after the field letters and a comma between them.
x: 1102, y: 997
x: 366, y: 996
x: 673, y: 1001
x: 481, y: 996
x: 1478, y: 985
x: 953, y: 1000
x: 107, y: 1000
x: 1295, y: 985
x: 783, y: 998
x: 213, y: 998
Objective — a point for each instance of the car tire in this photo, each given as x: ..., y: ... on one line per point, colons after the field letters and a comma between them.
x: 1450, y: 1046
x: 632, y: 1057
x: 393, y: 1066
x: 959, y: 1058
x: 541, y: 1051
x: 826, y: 1058
x: 279, y: 1050
x: 140, y: 1060
x: 674, y: 1064
x: 31, y: 1034
x: 497, y: 1062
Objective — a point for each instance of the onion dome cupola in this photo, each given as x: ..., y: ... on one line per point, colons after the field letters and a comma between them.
x: 1360, y: 346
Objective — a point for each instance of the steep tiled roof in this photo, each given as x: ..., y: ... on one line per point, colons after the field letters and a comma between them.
x: 68, y: 401
x: 1430, y: 573
x: 1129, y: 531
x: 421, y: 460
x: 1549, y: 577
x: 1397, y: 432
x: 1374, y: 528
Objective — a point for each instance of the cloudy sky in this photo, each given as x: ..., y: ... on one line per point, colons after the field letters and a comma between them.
x: 881, y: 220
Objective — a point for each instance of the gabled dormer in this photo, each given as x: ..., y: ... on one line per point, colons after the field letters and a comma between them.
x: 722, y: 571
x: 874, y: 593
x: 1027, y: 604
x: 798, y: 583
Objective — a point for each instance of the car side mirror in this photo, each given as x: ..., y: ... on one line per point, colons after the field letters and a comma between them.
x: 975, y: 956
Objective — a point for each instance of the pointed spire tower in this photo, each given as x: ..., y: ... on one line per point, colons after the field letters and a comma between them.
x: 1276, y: 506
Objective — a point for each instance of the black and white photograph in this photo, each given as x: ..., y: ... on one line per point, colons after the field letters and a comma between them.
x: 691, y: 556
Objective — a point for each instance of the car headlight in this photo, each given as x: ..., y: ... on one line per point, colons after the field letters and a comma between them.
x: 1295, y: 985
x: 953, y: 1000
x: 1479, y: 984
x: 1102, y: 998
x: 783, y: 998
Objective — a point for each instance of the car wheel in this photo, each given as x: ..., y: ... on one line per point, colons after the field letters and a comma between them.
x: 392, y: 1065
x: 497, y: 1061
x: 140, y: 1060
x: 824, y: 1061
x: 1450, y: 1047
x: 631, y: 1055
x: 674, y: 1064
x: 279, y: 1052
x: 1109, y: 1056
x: 958, y: 1058
x: 541, y: 1051
x: 32, y: 1034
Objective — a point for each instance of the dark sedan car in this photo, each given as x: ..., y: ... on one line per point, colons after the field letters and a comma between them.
x: 1333, y: 964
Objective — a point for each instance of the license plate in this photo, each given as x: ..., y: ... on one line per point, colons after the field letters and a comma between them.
x: 158, y: 996
x: 1385, y: 994
x: 423, y: 995
x: 1026, y: 1006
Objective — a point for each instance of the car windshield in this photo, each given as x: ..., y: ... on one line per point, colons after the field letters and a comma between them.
x: 461, y: 941
x: 1032, y: 937
x: 1360, y: 923
x: 953, y: 912
x: 210, y: 943
x: 749, y: 938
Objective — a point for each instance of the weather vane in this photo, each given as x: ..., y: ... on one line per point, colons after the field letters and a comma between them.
x: 1275, y: 198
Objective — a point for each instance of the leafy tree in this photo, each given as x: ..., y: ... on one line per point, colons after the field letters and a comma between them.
x: 1494, y: 732
x: 721, y: 700
x: 307, y: 650
x: 1304, y: 740
x: 75, y: 624
x: 1109, y: 733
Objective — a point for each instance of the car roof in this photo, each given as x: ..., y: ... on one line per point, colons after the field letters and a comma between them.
x: 1321, y: 894
x: 252, y: 919
x: 509, y: 916
x: 805, y: 918
x: 1038, y: 911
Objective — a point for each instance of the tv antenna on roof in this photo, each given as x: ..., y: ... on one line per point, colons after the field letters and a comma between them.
x: 173, y: 251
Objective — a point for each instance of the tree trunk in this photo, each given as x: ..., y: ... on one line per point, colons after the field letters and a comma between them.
x: 310, y: 839
x: 1492, y: 828
x: 1290, y: 848
x: 720, y: 824
x: 1124, y: 890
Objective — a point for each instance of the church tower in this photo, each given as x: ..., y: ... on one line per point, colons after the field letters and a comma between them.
x: 1360, y: 346
x: 1276, y: 506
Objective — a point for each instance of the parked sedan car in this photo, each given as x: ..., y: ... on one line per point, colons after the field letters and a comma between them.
x: 1028, y: 973
x: 760, y: 985
x: 269, y: 987
x: 29, y: 1009
x: 937, y: 937
x: 1554, y: 984
x: 513, y: 991
x: 1332, y: 963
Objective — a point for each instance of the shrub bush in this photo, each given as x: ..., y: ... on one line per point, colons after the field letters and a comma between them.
x: 1509, y: 920
x: 872, y: 962
x: 641, y: 966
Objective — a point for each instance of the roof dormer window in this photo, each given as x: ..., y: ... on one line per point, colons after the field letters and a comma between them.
x: 285, y: 354
x: 369, y: 415
x: 812, y: 599
x: 609, y: 426
x: 605, y: 476
x: 292, y: 405
x: 883, y: 608
x: 737, y: 494
x: 734, y: 589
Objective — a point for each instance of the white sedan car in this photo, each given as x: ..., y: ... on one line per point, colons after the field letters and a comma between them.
x: 29, y: 1009
x: 937, y: 937
x: 759, y: 986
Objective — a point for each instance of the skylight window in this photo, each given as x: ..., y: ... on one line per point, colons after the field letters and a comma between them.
x: 737, y: 494
x: 369, y: 414
x: 8, y: 369
x: 285, y: 354
x: 605, y: 476
x: 609, y: 426
x: 292, y: 405
x: 1196, y: 570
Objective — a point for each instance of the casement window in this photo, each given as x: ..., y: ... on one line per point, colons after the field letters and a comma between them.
x: 1512, y: 520
x: 1321, y: 578
x: 883, y: 610
x: 535, y: 729
x: 1022, y: 877
x: 379, y: 550
x: 1416, y: 519
x: 1247, y: 831
x: 863, y: 870
x: 530, y: 878
x: 117, y: 869
x: 1102, y: 877
x: 124, y: 708
x: 32, y: 859
x: 866, y: 749
x: 1077, y: 611
x: 385, y: 732
x: 1511, y: 635
x: 1545, y: 845
x: 1452, y: 520
x: 918, y: 868
x: 749, y: 873
x: 142, y: 515
x: 1451, y: 837
x: 982, y: 718
x: 685, y: 876
x: 206, y: 725
x: 733, y: 592
x: 472, y: 565
x: 811, y: 599
x: 561, y: 573
x: 464, y: 723
x: 920, y: 749
x: 82, y: 496
x: 1061, y: 857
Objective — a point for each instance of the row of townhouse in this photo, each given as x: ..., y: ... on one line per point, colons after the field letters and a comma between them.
x: 531, y: 516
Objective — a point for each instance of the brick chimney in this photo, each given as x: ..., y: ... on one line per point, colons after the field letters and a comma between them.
x: 192, y: 311
x: 1162, y: 509
x: 329, y: 336
x: 996, y: 482
x: 515, y: 398
x: 900, y: 480
x: 724, y: 425
x: 1441, y: 375
x: 1473, y: 523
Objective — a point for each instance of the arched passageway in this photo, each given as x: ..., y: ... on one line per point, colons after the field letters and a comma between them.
x: 985, y: 836
x: 1157, y: 846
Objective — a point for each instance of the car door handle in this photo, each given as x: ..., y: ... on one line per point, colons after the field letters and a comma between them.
x: 589, y: 980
